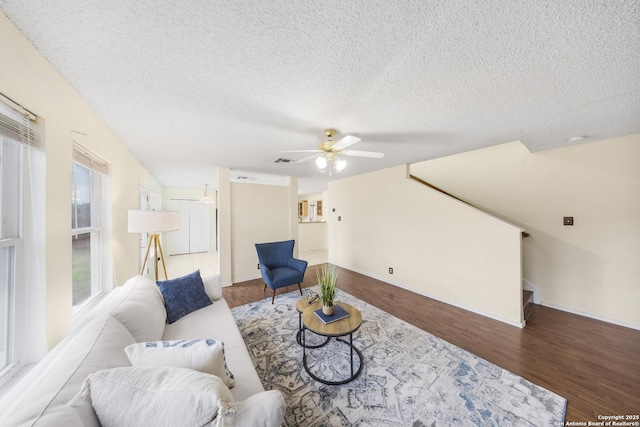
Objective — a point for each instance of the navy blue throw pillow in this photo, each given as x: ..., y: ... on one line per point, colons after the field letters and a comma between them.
x: 183, y: 295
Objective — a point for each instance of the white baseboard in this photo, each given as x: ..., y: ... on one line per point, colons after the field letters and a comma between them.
x: 425, y: 294
x: 536, y: 292
x: 592, y: 316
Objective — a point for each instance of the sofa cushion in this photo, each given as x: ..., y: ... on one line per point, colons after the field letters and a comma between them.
x: 98, y: 345
x: 216, y: 321
x: 183, y: 295
x: 142, y: 310
x: 156, y: 396
x: 202, y: 355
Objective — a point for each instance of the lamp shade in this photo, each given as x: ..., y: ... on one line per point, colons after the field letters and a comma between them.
x: 153, y: 221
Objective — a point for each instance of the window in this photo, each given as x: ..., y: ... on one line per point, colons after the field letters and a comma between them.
x: 10, y: 185
x: 86, y: 225
x: 21, y: 297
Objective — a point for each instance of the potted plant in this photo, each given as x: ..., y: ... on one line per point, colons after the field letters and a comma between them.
x: 327, y: 278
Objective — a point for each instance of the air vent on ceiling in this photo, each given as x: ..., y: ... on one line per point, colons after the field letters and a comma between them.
x: 281, y: 160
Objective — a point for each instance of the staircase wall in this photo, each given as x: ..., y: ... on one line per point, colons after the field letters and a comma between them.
x: 436, y: 245
x: 590, y: 268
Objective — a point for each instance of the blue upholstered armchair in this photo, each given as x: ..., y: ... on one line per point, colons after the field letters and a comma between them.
x: 278, y: 266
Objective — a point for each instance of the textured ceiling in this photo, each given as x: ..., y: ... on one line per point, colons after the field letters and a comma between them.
x: 191, y: 85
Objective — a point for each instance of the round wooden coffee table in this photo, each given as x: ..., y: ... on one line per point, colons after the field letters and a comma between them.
x: 339, y: 328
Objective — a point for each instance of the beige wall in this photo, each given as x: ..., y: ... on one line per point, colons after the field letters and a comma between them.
x: 312, y: 236
x: 591, y: 268
x: 437, y: 246
x: 259, y: 213
x: 29, y: 79
x: 224, y: 225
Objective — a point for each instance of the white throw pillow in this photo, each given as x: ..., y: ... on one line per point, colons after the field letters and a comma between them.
x: 212, y: 287
x: 166, y: 396
x: 202, y: 355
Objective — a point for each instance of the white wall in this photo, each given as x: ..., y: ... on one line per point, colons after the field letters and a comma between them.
x: 591, y: 268
x: 259, y: 213
x: 437, y: 246
x: 29, y: 79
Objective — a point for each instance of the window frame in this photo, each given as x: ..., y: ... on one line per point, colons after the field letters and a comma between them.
x: 94, y: 231
x: 12, y: 364
x: 25, y: 200
x: 13, y: 239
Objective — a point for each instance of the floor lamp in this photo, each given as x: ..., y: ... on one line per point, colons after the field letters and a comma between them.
x: 154, y: 223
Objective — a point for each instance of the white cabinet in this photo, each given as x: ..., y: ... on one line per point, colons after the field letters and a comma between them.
x: 194, y: 233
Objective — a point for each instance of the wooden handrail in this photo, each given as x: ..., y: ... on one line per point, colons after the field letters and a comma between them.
x: 423, y: 182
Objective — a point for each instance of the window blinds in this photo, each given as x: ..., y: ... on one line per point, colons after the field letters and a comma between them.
x: 17, y: 123
x: 89, y: 160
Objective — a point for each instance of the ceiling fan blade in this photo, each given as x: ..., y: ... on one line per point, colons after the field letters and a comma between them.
x: 302, y: 151
x: 372, y: 154
x: 345, y: 142
x: 304, y: 159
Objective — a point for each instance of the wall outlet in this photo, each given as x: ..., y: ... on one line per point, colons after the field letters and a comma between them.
x: 258, y: 266
x: 390, y: 270
x: 339, y: 218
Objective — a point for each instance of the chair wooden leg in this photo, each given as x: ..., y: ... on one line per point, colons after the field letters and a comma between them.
x: 300, y: 288
x: 265, y: 287
x: 273, y: 297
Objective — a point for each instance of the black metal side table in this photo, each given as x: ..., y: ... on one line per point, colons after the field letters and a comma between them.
x: 340, y: 328
x: 301, y: 306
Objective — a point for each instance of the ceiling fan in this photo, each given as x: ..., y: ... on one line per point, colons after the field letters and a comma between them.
x: 329, y: 154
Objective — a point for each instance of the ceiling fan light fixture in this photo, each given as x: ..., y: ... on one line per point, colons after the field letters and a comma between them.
x: 205, y: 197
x: 330, y: 154
x: 321, y: 163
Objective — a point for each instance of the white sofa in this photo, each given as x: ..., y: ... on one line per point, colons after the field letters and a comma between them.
x: 134, y: 313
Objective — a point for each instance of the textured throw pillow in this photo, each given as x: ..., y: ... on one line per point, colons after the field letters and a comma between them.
x: 150, y: 396
x: 183, y: 295
x: 200, y: 355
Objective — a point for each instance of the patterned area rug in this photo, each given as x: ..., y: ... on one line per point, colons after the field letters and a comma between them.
x: 409, y: 378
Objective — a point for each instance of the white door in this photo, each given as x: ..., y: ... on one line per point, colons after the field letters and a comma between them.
x: 178, y: 241
x: 195, y: 227
x: 199, y: 227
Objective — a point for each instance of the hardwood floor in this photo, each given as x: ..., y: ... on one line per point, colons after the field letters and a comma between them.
x: 595, y: 365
